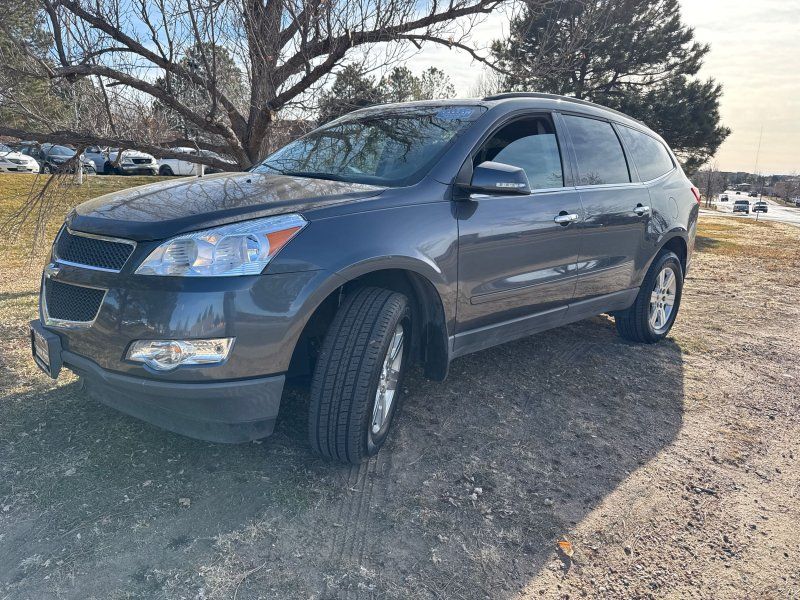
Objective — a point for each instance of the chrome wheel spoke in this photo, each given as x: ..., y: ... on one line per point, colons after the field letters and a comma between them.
x: 387, y: 382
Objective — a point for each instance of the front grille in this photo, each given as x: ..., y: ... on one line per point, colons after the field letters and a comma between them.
x: 16, y: 161
x: 141, y: 161
x: 92, y: 252
x: 71, y: 302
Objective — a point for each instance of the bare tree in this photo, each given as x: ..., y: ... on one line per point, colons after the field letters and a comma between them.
x: 119, y: 68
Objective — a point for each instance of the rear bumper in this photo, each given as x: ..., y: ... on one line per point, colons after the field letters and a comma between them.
x: 228, y: 412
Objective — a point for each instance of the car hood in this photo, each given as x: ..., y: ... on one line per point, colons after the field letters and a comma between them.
x: 161, y: 210
x: 131, y: 154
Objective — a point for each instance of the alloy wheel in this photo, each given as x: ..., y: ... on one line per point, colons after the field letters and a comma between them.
x: 662, y: 299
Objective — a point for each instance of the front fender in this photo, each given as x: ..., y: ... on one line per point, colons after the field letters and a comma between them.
x: 419, y: 238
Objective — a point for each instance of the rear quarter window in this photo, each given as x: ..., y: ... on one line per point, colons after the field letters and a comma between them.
x: 649, y: 155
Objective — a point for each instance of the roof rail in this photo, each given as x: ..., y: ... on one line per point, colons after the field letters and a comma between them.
x: 544, y: 96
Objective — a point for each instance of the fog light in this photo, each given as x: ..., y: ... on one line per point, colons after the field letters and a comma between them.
x: 164, y: 355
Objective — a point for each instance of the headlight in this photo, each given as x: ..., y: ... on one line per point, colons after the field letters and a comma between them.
x: 164, y: 355
x: 238, y: 249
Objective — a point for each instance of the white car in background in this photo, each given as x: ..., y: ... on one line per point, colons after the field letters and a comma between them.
x: 132, y: 162
x: 173, y: 166
x: 16, y: 162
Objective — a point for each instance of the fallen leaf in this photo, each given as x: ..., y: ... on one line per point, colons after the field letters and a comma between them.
x: 566, y: 548
x: 185, y: 502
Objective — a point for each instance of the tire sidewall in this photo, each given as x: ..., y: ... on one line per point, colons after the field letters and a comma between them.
x: 373, y: 443
x: 667, y: 260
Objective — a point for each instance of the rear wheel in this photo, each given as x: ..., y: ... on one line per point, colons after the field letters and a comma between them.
x: 656, y: 307
x: 165, y: 170
x: 356, y: 384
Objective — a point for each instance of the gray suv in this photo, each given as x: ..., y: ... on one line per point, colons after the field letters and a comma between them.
x: 395, y: 235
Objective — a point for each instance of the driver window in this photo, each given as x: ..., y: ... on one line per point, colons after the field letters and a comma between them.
x: 529, y: 144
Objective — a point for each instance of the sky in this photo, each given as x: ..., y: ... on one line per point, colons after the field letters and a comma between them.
x: 755, y: 55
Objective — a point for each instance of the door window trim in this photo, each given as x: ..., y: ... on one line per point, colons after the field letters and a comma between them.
x: 507, y: 119
x: 574, y: 156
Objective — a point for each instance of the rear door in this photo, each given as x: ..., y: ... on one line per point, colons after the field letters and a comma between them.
x: 617, y: 208
x: 517, y: 265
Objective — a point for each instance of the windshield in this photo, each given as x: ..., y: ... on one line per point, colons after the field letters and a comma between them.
x: 61, y: 151
x: 4, y: 148
x: 393, y: 147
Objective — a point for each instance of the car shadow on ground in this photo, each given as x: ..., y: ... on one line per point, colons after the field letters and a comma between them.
x: 484, y: 473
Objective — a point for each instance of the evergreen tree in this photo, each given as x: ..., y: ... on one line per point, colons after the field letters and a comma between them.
x: 24, y: 86
x: 633, y: 55
x: 400, y: 85
x: 434, y: 84
x: 351, y: 90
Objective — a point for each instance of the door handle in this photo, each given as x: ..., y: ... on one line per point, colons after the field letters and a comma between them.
x: 641, y: 210
x: 565, y: 218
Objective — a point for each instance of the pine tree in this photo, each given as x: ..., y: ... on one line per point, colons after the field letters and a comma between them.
x: 351, y: 90
x: 633, y: 55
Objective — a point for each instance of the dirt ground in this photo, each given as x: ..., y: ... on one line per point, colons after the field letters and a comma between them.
x: 671, y: 469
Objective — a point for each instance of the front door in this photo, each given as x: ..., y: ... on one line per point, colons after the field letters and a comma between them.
x: 517, y: 254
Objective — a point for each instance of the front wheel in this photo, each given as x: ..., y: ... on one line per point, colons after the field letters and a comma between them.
x: 356, y: 384
x: 656, y: 307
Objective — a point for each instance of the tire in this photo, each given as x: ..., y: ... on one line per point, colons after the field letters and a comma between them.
x: 348, y: 373
x: 635, y: 323
x: 165, y: 170
x: 47, y: 169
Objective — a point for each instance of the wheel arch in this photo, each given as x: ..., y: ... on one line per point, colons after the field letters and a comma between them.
x: 677, y: 243
x: 429, y: 338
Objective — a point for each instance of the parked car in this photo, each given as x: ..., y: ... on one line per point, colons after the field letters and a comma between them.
x: 132, y: 162
x: 723, y: 198
x: 753, y: 194
x: 760, y: 206
x: 174, y: 166
x: 12, y: 161
x: 741, y: 206
x: 399, y: 234
x: 52, y: 157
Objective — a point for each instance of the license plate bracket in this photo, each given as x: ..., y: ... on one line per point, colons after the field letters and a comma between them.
x: 46, y: 349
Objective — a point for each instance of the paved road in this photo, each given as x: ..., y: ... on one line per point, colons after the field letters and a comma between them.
x: 776, y: 212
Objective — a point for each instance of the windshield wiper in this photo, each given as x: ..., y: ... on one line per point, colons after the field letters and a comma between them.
x: 315, y: 175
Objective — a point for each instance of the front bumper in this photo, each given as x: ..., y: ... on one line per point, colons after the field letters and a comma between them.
x: 228, y: 412
x: 224, y: 411
x: 232, y: 401
x: 143, y: 169
x: 13, y: 168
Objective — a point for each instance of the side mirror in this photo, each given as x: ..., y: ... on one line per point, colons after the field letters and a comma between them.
x: 499, y: 178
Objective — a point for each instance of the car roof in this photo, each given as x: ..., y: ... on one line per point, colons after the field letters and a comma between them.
x: 522, y: 100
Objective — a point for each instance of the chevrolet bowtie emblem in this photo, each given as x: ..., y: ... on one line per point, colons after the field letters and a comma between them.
x: 51, y: 270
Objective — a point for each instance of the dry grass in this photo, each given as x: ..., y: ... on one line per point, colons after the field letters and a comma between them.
x: 16, y: 245
x: 747, y: 239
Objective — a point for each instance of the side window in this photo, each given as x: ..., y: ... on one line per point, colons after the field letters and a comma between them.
x: 598, y: 151
x: 529, y: 144
x: 649, y: 155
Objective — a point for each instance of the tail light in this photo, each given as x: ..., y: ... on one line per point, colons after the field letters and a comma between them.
x: 696, y: 193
